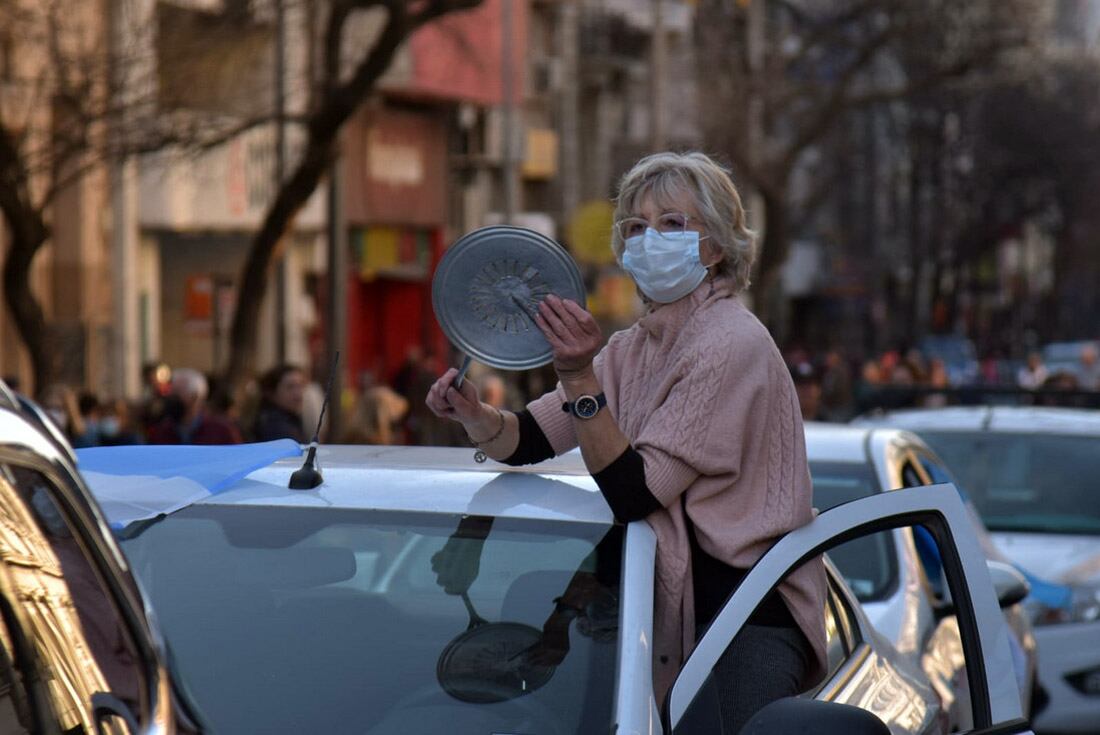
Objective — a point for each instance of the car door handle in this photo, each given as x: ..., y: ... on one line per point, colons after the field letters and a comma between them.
x: 106, y: 705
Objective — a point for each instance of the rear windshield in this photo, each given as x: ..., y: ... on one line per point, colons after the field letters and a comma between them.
x: 869, y: 563
x: 284, y: 620
x: 1041, y: 483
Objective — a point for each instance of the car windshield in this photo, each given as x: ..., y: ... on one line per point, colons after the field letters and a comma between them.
x: 292, y: 620
x: 1039, y: 483
x: 868, y: 563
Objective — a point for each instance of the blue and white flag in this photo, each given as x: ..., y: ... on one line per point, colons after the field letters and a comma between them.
x: 134, y: 483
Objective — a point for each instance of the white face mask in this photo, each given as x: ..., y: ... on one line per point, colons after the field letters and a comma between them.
x: 666, y: 267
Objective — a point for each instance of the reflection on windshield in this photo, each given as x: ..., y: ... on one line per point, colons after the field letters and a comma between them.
x: 1026, y: 482
x: 307, y: 620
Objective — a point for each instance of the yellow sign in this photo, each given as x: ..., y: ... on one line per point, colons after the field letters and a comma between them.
x: 590, y: 233
x: 540, y: 159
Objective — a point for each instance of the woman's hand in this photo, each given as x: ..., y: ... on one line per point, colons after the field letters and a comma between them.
x: 461, y: 404
x: 572, y: 333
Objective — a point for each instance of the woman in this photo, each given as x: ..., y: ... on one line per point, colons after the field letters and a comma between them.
x: 280, y: 414
x: 688, y: 419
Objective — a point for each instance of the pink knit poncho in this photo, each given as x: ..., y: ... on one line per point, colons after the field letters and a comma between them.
x: 701, y: 392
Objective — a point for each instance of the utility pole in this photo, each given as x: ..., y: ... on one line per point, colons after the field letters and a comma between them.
x: 567, y: 96
x: 508, y: 105
x: 658, y: 65
x: 124, y: 228
x: 283, y: 263
x: 336, y: 321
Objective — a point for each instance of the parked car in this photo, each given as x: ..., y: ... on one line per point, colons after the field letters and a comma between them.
x: 897, y: 576
x: 415, y: 590
x: 1031, y: 473
x: 78, y: 653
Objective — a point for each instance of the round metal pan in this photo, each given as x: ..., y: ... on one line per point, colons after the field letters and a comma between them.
x: 487, y: 289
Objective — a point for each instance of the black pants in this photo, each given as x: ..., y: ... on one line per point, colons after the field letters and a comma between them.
x: 761, y: 665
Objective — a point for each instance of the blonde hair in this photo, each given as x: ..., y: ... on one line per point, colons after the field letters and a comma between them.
x: 667, y: 176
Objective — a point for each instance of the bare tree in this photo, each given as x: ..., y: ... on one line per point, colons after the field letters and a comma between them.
x: 776, y: 78
x: 337, y: 96
x: 79, y: 91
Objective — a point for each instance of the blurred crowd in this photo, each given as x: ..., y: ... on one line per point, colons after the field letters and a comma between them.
x: 831, y: 387
x: 181, y: 405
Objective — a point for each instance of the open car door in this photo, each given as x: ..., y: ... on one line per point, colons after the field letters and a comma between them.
x: 939, y: 508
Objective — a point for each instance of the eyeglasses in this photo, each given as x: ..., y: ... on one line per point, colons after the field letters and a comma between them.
x: 668, y: 224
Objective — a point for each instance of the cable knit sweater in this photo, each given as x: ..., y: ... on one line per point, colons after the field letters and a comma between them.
x: 701, y: 392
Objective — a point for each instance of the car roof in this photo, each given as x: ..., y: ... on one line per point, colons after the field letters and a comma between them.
x: 850, y: 443
x: 1009, y: 419
x: 427, y: 479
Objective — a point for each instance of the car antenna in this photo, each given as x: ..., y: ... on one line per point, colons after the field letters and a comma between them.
x: 308, y: 476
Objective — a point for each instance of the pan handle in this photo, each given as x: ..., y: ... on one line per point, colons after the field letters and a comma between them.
x: 475, y: 619
x: 457, y: 382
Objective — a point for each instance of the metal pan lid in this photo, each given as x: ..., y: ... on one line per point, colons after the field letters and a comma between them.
x: 488, y: 286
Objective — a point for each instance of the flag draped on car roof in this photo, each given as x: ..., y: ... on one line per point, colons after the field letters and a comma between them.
x: 134, y: 483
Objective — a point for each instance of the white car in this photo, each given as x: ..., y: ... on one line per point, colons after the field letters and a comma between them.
x: 1031, y: 473
x: 417, y: 591
x: 896, y: 576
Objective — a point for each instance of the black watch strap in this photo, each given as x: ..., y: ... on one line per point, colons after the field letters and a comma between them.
x: 585, y: 407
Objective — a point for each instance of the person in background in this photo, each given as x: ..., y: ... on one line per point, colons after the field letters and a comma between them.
x: 187, y: 420
x: 282, y: 391
x: 837, y: 396
x: 937, y: 378
x: 90, y: 411
x: 1088, y: 375
x: 378, y: 417
x: 116, y: 427
x: 59, y: 403
x: 156, y: 386
x: 1032, y: 375
x: 808, y: 389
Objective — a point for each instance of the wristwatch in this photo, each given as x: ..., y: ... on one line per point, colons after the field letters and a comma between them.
x: 585, y: 407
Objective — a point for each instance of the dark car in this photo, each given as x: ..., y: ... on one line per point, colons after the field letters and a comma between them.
x: 77, y: 651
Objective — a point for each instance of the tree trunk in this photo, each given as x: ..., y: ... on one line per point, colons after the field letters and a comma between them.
x: 338, y: 103
x: 253, y: 278
x: 774, y: 247
x: 28, y: 233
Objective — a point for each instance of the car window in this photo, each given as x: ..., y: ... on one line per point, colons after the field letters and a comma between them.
x: 868, y: 563
x: 57, y: 611
x: 399, y: 622
x: 1038, y: 483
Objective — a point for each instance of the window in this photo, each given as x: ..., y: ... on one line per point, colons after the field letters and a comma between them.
x: 56, y: 607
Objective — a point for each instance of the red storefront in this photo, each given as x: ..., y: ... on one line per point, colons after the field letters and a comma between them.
x: 396, y: 173
x: 395, y: 164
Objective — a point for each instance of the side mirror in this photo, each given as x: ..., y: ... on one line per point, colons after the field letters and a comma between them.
x: 1009, y: 585
x: 791, y: 715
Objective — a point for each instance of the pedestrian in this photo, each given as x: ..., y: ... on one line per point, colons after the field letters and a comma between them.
x: 59, y: 402
x: 1088, y: 375
x: 116, y: 427
x: 282, y: 390
x: 1032, y: 375
x: 837, y: 393
x: 186, y: 419
x: 807, y: 387
x: 378, y: 416
x: 156, y: 386
x: 688, y: 419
